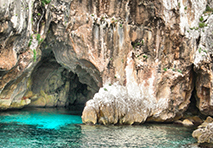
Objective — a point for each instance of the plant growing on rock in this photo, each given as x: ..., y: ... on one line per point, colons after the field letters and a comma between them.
x: 179, y: 71
x: 34, y: 55
x: 202, y: 25
x: 145, y: 56
x: 201, y: 18
x: 30, y: 43
x: 179, y: 5
x: 38, y: 37
x: 44, y: 2
x: 208, y: 9
x: 199, y: 50
x: 142, y: 42
x: 196, y: 28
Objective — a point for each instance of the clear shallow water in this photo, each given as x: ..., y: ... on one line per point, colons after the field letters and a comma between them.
x: 59, y: 128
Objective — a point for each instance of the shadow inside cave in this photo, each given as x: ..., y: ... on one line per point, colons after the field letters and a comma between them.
x: 52, y: 85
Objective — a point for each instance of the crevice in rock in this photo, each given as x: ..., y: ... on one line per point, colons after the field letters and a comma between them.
x: 198, y: 40
x: 2, y: 73
x: 38, y: 15
x: 193, y: 110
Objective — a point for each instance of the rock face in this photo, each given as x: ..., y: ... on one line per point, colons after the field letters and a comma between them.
x: 131, y: 60
x: 204, y: 133
x: 160, y: 58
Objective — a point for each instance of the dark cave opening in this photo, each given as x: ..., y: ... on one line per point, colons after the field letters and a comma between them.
x: 55, y: 86
x: 192, y: 109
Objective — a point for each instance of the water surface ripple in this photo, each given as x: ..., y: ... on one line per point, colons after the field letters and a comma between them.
x: 61, y: 128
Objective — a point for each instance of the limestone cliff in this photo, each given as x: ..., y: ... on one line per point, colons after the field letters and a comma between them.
x: 131, y: 60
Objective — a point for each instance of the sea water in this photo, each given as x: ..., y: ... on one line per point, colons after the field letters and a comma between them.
x: 55, y: 128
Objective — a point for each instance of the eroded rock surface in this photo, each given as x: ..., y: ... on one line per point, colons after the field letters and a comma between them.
x: 16, y: 59
x: 204, y: 133
x: 158, y: 51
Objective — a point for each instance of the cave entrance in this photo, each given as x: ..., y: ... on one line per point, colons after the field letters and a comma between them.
x: 192, y: 108
x: 52, y: 85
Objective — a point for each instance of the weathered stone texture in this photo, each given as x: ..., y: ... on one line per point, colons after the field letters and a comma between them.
x: 204, y: 133
x: 16, y: 61
x: 139, y: 58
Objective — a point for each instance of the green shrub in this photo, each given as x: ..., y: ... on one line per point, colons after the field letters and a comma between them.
x: 44, y: 2
x: 199, y: 50
x: 208, y: 9
x: 202, y: 25
x: 145, y: 56
x: 38, y: 37
x: 179, y: 5
x: 40, y: 41
x: 30, y: 43
x: 34, y: 55
x: 179, y: 71
x: 201, y: 18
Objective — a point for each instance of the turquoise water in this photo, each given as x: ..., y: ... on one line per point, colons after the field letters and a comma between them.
x: 61, y: 128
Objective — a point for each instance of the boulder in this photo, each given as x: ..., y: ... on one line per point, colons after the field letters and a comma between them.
x: 204, y: 133
x: 187, y: 122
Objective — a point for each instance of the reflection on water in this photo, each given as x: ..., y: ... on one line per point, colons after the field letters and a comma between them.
x: 58, y: 128
x: 154, y: 135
